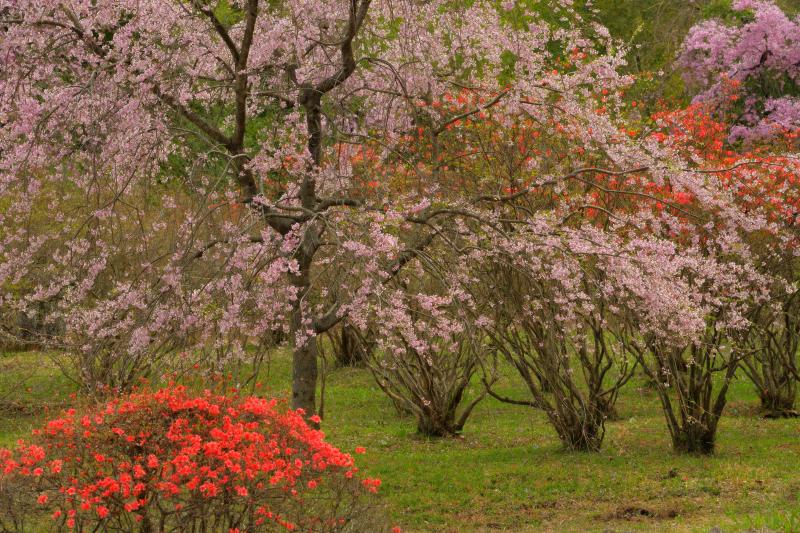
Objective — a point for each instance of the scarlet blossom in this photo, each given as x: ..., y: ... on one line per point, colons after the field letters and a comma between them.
x: 207, y: 445
x: 371, y: 484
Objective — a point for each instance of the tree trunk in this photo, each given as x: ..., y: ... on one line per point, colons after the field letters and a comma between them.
x: 350, y: 348
x: 304, y: 358
x: 695, y: 440
x: 577, y: 431
x: 304, y: 377
x: 779, y: 402
x: 433, y: 424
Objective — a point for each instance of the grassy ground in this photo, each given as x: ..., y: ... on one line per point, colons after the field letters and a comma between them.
x: 508, y: 472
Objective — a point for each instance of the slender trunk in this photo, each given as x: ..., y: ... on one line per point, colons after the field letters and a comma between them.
x: 304, y: 377
x: 304, y: 358
x: 304, y: 361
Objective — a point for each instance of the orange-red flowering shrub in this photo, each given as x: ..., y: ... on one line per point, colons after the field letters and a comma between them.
x: 173, y: 461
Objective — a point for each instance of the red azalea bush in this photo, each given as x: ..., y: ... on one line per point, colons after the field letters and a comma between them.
x: 173, y: 461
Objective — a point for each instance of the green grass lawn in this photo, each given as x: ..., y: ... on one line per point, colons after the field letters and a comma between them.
x: 508, y: 472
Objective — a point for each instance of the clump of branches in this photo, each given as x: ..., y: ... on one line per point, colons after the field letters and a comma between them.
x: 432, y: 384
x: 684, y: 368
x: 565, y: 359
x: 430, y: 352
x: 684, y: 378
x: 771, y: 363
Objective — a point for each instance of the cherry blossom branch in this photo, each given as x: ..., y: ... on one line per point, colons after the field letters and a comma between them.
x: 220, y: 29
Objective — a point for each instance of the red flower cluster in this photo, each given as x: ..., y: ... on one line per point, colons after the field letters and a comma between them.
x: 172, y: 458
x: 761, y: 178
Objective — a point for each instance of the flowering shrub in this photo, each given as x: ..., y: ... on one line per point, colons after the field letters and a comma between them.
x: 172, y: 461
x: 430, y: 353
x: 764, y: 182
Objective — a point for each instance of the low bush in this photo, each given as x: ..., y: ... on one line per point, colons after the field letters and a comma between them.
x: 173, y: 461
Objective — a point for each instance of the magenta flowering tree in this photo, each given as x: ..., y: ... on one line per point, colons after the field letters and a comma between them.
x: 197, y: 177
x: 750, y: 71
